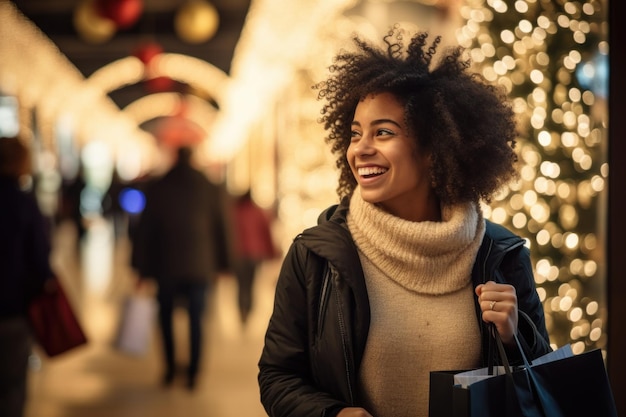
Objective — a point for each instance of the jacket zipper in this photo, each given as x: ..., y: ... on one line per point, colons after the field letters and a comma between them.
x: 323, y: 299
x: 344, y: 344
x: 329, y: 272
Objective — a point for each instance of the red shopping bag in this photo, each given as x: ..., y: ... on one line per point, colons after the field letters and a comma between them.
x: 54, y: 323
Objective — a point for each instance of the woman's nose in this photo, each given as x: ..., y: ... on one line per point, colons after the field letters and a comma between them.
x: 364, y: 146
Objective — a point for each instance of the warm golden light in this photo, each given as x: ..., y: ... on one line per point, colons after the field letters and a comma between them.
x: 563, y: 174
x: 90, y: 26
x: 196, y: 21
x: 561, y: 148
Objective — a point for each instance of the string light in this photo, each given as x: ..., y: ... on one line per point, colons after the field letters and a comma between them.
x: 550, y: 57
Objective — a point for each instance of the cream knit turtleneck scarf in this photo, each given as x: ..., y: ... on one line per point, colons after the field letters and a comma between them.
x: 418, y: 277
x: 425, y: 257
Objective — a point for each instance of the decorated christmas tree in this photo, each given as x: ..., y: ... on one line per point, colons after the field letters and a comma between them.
x: 551, y: 56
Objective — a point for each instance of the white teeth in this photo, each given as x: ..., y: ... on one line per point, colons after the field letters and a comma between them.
x: 371, y: 171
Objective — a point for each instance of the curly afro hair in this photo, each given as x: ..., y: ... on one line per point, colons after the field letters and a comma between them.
x: 466, y: 124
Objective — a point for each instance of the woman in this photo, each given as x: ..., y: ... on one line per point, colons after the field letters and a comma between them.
x: 403, y: 276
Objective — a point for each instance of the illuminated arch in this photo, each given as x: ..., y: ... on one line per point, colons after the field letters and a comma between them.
x: 196, y: 72
x: 202, y: 76
x: 168, y: 104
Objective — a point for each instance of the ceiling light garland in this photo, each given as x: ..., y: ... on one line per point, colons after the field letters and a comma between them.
x: 550, y: 57
x: 45, y: 82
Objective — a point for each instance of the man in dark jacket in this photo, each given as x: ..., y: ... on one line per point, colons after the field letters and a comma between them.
x: 182, y: 242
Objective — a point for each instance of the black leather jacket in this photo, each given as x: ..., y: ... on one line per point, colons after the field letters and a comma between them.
x: 317, y: 333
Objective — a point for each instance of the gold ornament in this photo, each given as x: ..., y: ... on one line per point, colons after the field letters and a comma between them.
x: 196, y: 21
x: 90, y: 26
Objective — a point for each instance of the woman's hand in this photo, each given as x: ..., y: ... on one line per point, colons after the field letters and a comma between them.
x: 499, y: 305
x: 354, y: 412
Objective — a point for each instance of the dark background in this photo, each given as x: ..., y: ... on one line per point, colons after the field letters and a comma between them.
x: 617, y: 208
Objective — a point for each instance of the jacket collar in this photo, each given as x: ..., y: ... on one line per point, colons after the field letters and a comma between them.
x: 332, y: 240
x: 498, y: 241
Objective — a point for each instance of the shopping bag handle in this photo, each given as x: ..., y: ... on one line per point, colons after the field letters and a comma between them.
x: 528, y: 400
x: 501, y: 353
x: 542, y: 399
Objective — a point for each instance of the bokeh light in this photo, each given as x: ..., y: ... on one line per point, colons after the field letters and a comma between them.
x: 551, y: 58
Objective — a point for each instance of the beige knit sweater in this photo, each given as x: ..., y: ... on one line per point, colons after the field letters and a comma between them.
x: 418, y: 277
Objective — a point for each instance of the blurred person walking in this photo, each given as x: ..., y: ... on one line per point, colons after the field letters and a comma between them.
x: 24, y: 259
x: 182, y: 243
x: 112, y: 208
x: 254, y: 244
x: 71, y: 204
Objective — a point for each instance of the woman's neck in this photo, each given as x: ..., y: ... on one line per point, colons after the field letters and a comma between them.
x: 416, y: 211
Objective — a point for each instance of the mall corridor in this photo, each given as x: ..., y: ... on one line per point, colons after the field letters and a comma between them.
x: 98, y: 381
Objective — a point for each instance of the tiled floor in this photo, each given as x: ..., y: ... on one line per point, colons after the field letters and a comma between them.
x: 98, y: 381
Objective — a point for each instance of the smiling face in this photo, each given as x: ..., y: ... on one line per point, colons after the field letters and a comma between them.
x: 387, y: 163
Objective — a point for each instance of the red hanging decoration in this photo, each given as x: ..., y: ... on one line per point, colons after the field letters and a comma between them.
x: 146, y: 53
x: 176, y: 130
x: 124, y: 13
x: 159, y: 84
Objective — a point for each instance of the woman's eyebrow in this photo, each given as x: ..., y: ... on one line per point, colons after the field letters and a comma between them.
x: 377, y: 122
x: 383, y: 121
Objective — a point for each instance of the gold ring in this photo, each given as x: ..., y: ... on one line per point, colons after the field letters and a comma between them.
x: 491, y: 304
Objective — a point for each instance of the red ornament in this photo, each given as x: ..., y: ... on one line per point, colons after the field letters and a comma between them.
x: 159, y: 84
x: 147, y: 51
x: 175, y: 131
x: 124, y: 13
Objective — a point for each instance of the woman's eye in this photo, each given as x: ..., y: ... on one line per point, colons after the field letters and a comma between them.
x: 355, y: 134
x: 383, y: 132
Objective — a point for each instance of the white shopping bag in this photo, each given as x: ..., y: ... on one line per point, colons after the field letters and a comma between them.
x: 136, y: 324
